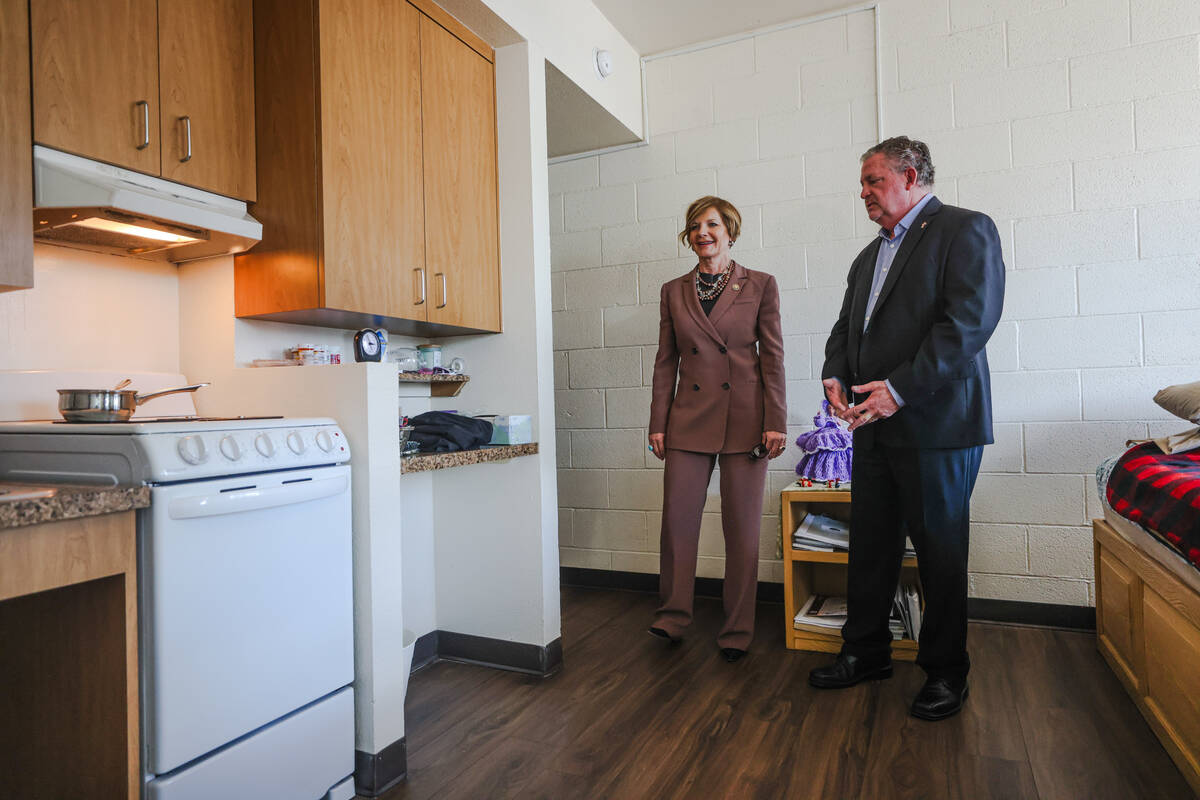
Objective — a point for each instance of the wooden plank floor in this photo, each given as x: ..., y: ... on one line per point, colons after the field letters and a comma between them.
x: 630, y: 717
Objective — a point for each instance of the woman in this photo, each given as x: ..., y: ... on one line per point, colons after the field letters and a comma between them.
x: 719, y: 335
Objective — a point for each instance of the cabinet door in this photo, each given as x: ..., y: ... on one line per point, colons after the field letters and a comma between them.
x: 16, y: 154
x: 206, y: 74
x: 462, y: 240
x: 95, y: 79
x: 371, y: 157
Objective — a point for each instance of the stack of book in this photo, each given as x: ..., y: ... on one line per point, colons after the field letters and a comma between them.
x: 821, y: 614
x: 829, y: 535
x: 819, y: 532
x: 827, y: 614
x: 907, y: 608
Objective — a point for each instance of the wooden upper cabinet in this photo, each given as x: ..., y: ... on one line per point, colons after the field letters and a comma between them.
x: 16, y: 152
x: 371, y: 157
x: 462, y: 239
x: 134, y: 82
x: 206, y: 68
x: 376, y: 169
x: 95, y: 79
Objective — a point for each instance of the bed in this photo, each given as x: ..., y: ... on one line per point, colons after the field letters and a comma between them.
x: 1148, y: 592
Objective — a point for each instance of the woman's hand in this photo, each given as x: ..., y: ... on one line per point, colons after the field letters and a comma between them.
x: 658, y: 443
x: 774, y: 441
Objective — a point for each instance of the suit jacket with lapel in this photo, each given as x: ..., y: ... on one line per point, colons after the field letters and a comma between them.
x: 729, y: 365
x: 936, y: 310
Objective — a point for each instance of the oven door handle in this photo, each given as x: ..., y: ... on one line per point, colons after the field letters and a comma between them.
x: 236, y: 502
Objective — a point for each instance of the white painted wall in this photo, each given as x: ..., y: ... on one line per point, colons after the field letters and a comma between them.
x: 78, y: 316
x: 496, y: 524
x: 1074, y: 123
x: 566, y: 32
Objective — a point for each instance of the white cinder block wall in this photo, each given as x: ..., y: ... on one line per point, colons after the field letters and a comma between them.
x: 1074, y: 123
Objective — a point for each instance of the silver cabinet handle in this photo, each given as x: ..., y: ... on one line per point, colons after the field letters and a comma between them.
x: 145, y: 123
x: 419, y: 276
x: 187, y: 139
x: 442, y: 275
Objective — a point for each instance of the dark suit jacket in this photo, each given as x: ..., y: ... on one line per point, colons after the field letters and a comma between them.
x: 936, y: 311
x: 729, y: 365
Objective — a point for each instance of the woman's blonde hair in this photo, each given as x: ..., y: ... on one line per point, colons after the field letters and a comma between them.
x: 729, y: 215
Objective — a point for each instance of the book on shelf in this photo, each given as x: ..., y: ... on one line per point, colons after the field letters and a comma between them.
x: 826, y: 614
x: 819, y: 532
x: 822, y: 613
x: 828, y: 535
x: 906, y: 608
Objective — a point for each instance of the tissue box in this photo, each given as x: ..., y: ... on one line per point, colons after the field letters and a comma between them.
x: 512, y: 429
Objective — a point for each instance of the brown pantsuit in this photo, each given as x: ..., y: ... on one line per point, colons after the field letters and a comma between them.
x: 685, y: 484
x: 718, y: 386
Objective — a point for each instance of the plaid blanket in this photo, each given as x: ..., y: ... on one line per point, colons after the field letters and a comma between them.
x: 1160, y: 492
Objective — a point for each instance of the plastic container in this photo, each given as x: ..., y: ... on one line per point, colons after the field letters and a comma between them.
x: 512, y: 429
x: 430, y: 356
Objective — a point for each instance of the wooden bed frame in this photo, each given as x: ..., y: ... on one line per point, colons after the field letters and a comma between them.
x: 1148, y: 630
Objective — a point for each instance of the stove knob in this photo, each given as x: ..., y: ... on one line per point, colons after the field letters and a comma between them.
x: 192, y: 450
x: 264, y: 445
x: 325, y: 441
x: 295, y: 442
x: 230, y: 448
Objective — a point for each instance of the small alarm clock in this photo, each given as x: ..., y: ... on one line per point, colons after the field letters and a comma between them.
x: 367, y: 346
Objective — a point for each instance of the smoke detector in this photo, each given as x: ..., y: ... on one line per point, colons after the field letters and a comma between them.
x: 602, y: 61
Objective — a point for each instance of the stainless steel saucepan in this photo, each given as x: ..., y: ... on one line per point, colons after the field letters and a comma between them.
x: 108, y: 405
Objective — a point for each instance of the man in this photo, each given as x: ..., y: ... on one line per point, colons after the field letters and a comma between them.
x: 921, y: 302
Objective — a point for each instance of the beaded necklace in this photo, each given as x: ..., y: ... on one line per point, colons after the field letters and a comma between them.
x: 710, y: 291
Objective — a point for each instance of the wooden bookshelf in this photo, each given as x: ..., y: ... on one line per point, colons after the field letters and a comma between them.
x: 807, y: 572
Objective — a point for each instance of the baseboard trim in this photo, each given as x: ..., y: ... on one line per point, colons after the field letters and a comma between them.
x: 1049, y: 615
x: 500, y: 653
x: 375, y: 773
x: 648, y: 582
x: 425, y: 651
x: 497, y: 653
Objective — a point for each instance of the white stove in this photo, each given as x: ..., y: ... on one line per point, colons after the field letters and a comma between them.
x: 164, y: 449
x: 244, y: 586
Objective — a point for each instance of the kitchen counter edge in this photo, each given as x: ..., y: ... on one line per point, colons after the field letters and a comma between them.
x: 72, y: 502
x: 425, y: 462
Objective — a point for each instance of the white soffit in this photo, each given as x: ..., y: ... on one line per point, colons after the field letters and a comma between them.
x: 575, y: 123
x: 656, y: 26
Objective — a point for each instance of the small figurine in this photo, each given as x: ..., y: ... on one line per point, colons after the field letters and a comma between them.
x: 827, y: 451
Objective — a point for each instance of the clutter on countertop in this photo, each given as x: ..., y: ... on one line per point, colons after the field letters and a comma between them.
x: 444, y: 432
x: 512, y: 429
x: 430, y: 357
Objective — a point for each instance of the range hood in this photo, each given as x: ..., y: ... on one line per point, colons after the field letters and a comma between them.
x: 93, y: 206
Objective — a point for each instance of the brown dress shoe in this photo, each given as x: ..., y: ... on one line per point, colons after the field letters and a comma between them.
x: 939, y: 698
x: 848, y: 670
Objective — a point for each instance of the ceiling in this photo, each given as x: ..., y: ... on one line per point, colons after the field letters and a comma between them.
x: 655, y: 26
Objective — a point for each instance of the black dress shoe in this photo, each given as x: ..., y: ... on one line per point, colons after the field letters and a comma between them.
x: 732, y: 654
x: 661, y: 634
x: 939, y: 698
x: 848, y: 670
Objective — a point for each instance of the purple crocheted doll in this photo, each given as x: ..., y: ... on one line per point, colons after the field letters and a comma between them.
x: 827, y: 449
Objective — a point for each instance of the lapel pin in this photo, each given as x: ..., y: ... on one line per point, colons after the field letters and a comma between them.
x: 736, y: 288
x: 923, y: 224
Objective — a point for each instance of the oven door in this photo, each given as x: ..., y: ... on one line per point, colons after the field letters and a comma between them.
x: 246, y: 606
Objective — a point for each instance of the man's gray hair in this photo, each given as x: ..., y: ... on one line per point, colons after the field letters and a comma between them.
x: 903, y: 153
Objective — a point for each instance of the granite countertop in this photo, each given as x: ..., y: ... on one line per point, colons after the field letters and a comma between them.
x: 437, y: 377
x: 424, y: 462
x: 31, y: 504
